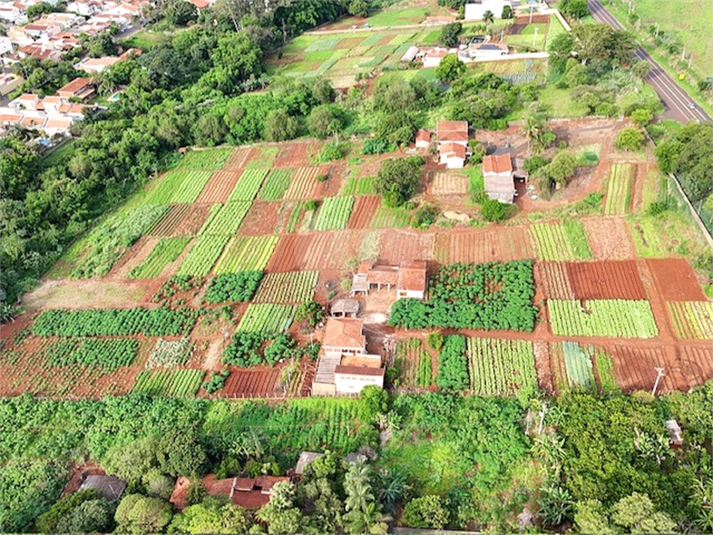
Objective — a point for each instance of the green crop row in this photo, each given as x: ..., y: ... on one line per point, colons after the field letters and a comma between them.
x: 233, y: 287
x: 266, y: 318
x: 107, y: 353
x: 179, y: 187
x: 202, y: 256
x: 246, y: 254
x: 612, y: 317
x: 413, y: 363
x: 290, y: 287
x: 210, y: 159
x: 390, y: 218
x: 501, y: 367
x: 165, y: 252
x: 577, y: 239
x: 578, y: 365
x: 605, y: 367
x: 692, y: 319
x: 619, y: 189
x: 552, y: 243
x: 227, y: 220
x: 275, y: 185
x: 169, y: 383
x: 149, y: 322
x: 334, y: 213
x: 248, y: 185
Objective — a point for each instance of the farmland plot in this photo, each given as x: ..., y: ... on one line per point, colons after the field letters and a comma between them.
x: 385, y: 217
x: 252, y: 382
x: 500, y: 367
x: 248, y: 185
x: 364, y: 209
x: 579, y: 366
x: 483, y: 245
x: 304, y: 182
x: 236, y: 159
x: 692, y: 319
x: 445, y: 184
x: 169, y: 383
x: 218, y: 188
x: 168, y: 224
x: 276, y: 185
x: 202, y: 256
x: 209, y: 159
x: 334, y: 213
x: 246, y: 254
x: 165, y: 252
x: 413, y: 363
x: 605, y: 369
x: 266, y: 318
x: 109, y: 354
x: 618, y: 198
x: 555, y: 241
x: 615, y: 317
x: 556, y: 280
x: 179, y: 187
x: 291, y: 287
x: 227, y: 220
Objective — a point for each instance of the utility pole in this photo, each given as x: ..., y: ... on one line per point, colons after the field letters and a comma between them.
x: 531, y: 9
x: 660, y: 373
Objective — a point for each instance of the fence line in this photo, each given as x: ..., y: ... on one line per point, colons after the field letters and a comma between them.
x: 696, y: 215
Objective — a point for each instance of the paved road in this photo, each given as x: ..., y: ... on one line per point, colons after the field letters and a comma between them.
x: 675, y: 99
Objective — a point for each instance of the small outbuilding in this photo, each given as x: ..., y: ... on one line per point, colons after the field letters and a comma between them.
x: 410, y: 55
x: 306, y: 458
x: 341, y: 308
x: 111, y: 487
x: 423, y: 139
x: 498, y: 177
x: 412, y: 280
x: 453, y: 155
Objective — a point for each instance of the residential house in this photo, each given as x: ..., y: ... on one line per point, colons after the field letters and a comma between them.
x: 431, y: 57
x: 369, y: 275
x: 487, y: 50
x: 79, y: 88
x: 438, y: 19
x: 26, y: 101
x: 452, y: 154
x: 5, y: 45
x: 57, y: 125
x: 247, y: 492
x: 9, y: 118
x: 413, y: 280
x: 11, y: 14
x: 498, y: 177
x: 423, y: 139
x: 19, y: 36
x: 8, y: 83
x: 344, y: 365
x: 475, y: 9
x: 85, y: 8
x: 95, y: 65
x: 39, y: 51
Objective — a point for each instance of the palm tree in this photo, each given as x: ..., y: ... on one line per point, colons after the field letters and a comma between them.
x: 488, y: 18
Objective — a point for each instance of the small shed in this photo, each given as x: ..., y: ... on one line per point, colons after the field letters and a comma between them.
x: 345, y: 307
x: 412, y: 280
x: 674, y: 433
x: 111, y: 487
x: 423, y: 139
x: 306, y: 458
x: 410, y: 54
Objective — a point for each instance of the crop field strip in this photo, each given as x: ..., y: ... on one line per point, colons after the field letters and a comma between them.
x: 236, y: 159
x: 500, y: 367
x: 619, y: 186
x: 616, y: 279
x: 219, y: 187
x: 109, y: 354
x: 248, y: 185
x: 170, y: 221
x: 390, y: 218
x: 445, y: 184
x: 113, y: 322
x: 365, y: 207
x: 692, y: 319
x: 484, y: 245
x: 275, y: 185
x: 634, y: 368
x: 334, y: 213
x: 290, y: 287
x: 251, y: 382
x: 561, y: 241
x: 696, y: 364
x: 605, y: 318
x: 202, y: 256
x: 207, y: 159
x: 580, y: 371
x: 179, y: 187
x: 414, y: 363
x: 303, y: 183
x: 166, y: 251
x: 246, y: 254
x: 266, y: 318
x: 226, y: 220
x: 169, y: 383
x: 556, y: 281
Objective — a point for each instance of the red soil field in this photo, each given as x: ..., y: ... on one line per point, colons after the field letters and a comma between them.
x: 364, y: 208
x: 555, y: 280
x: 675, y: 279
x: 219, y: 187
x: 296, y: 252
x: 484, y: 245
x: 257, y: 382
x: 194, y: 221
x: 634, y: 367
x: 294, y: 154
x: 237, y: 159
x: 609, y: 238
x: 606, y: 280
x: 261, y: 219
x: 696, y: 363
x: 170, y: 221
x: 402, y: 245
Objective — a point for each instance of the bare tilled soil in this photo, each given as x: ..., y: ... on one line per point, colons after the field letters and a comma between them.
x: 219, y: 187
x: 606, y: 280
x: 676, y: 279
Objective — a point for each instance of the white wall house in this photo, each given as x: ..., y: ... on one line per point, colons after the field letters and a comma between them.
x: 476, y: 10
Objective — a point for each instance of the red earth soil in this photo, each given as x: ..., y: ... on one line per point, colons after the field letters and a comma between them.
x: 132, y: 257
x: 294, y: 154
x: 318, y: 250
x: 219, y: 187
x: 609, y: 238
x: 676, y: 279
x: 606, y: 280
x: 261, y: 219
x: 555, y: 280
x: 403, y: 245
x: 634, y: 367
x: 194, y: 221
x: 291, y: 252
x: 255, y: 382
x: 170, y: 221
x: 484, y: 245
x: 364, y: 208
x: 237, y: 159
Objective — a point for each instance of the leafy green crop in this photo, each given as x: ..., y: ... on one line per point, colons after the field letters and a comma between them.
x: 234, y: 287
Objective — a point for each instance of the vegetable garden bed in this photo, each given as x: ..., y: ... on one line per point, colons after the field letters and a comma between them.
x: 613, y: 317
x: 501, y: 367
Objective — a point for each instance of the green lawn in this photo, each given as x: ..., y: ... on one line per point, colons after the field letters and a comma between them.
x: 63, y: 152
x: 397, y: 17
x: 560, y: 102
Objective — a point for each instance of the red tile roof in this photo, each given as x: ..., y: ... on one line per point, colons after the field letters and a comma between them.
x: 359, y: 370
x: 423, y: 135
x: 452, y: 149
x: 75, y: 85
x: 452, y: 131
x: 412, y: 276
x: 497, y: 163
x: 344, y: 332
